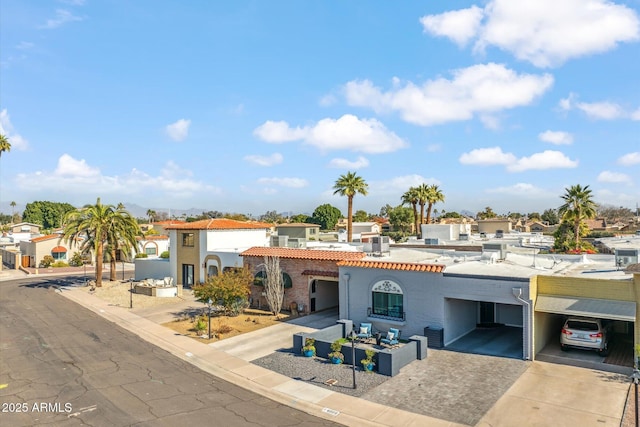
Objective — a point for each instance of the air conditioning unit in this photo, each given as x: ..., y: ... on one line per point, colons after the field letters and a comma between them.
x: 499, y: 248
x: 499, y: 234
x: 279, y: 241
x: 380, y: 244
x: 431, y: 241
x: 463, y: 236
x: 626, y: 257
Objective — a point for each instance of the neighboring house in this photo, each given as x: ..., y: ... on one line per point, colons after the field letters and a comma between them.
x: 362, y: 231
x: 494, y: 226
x: 205, y: 248
x: 310, y: 275
x: 153, y: 245
x: 34, y: 250
x: 541, y: 227
x: 25, y: 227
x: 300, y: 232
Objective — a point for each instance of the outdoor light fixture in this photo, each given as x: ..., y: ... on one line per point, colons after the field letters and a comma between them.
x: 353, y: 337
x: 209, y: 304
x: 130, y: 292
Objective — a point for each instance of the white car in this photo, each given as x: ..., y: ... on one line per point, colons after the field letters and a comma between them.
x: 585, y: 333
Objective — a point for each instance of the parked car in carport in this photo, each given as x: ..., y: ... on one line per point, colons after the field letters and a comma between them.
x: 586, y: 333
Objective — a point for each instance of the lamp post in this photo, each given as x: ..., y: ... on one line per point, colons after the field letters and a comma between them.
x: 123, y: 269
x: 352, y: 335
x: 131, y: 292
x: 635, y: 377
x: 209, y: 304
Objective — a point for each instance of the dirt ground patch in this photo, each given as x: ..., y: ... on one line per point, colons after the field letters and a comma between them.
x: 118, y: 293
x: 226, y: 326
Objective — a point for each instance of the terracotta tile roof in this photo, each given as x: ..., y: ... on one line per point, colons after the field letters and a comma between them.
x: 217, y: 224
x: 169, y: 222
x: 320, y: 273
x: 293, y: 253
x: 45, y: 238
x: 154, y: 237
x: 405, y: 266
x: 59, y: 249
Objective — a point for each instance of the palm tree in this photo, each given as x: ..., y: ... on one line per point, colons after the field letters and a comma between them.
x: 5, y: 145
x: 411, y: 197
x: 349, y: 185
x: 121, y: 237
x: 434, y: 195
x: 97, y: 224
x: 13, y: 209
x: 578, y: 206
x: 423, y: 194
x: 151, y: 214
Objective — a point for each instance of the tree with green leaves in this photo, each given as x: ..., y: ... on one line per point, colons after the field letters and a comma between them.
x: 578, y: 205
x: 5, y: 145
x: 326, y: 216
x: 272, y: 217
x: 48, y: 214
x: 434, y: 195
x: 122, y: 237
x: 411, y: 197
x: 401, y: 218
x: 361, y: 216
x: 301, y: 218
x: 422, y: 192
x: 487, y: 213
x: 349, y: 185
x: 231, y: 289
x: 550, y: 216
x: 151, y: 214
x: 97, y: 225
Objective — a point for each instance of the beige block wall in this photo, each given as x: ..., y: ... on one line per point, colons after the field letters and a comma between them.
x: 188, y: 255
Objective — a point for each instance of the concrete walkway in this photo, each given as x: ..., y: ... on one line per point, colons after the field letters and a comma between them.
x: 545, y: 394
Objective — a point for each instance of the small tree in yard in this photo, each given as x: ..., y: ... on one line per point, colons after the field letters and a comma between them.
x: 230, y: 289
x: 273, y: 284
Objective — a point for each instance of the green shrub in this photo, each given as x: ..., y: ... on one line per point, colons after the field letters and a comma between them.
x: 60, y: 263
x: 142, y: 255
x: 164, y: 254
x: 76, y: 260
x: 47, y: 261
x: 200, y: 325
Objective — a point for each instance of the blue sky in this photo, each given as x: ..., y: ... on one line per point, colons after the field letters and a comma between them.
x: 252, y: 106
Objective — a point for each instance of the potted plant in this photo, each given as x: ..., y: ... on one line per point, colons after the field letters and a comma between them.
x: 367, y: 362
x: 336, y: 355
x: 309, y: 349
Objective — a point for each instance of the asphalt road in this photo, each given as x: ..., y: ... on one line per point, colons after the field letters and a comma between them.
x: 61, y: 364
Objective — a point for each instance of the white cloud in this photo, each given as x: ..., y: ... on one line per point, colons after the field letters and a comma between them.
x: 495, y: 156
x: 531, y: 33
x: 614, y: 177
x: 328, y: 100
x: 630, y: 159
x: 73, y: 176
x: 548, y: 159
x: 359, y: 163
x: 70, y: 167
x: 487, y: 157
x: 346, y: 133
x: 62, y: 17
x: 481, y: 89
x: 179, y: 130
x: 602, y: 110
x: 6, y: 128
x: 519, y: 189
x: 459, y: 25
x: 398, y: 185
x: 24, y: 45
x: 285, y: 182
x: 274, y: 159
x: 433, y: 148
x: 556, y: 137
x: 278, y: 132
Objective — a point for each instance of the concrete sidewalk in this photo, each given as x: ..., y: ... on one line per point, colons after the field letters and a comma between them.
x: 546, y: 394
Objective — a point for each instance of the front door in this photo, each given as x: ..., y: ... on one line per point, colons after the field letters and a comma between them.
x: 187, y: 275
x: 487, y: 312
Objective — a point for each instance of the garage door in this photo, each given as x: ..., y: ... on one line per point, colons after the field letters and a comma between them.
x: 587, y: 307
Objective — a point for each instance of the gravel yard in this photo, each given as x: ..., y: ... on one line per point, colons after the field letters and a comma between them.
x: 117, y: 293
x: 317, y: 370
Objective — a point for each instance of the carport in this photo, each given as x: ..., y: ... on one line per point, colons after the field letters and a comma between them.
x: 551, y: 310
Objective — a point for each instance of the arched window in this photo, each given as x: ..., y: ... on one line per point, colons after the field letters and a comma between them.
x: 388, y: 300
x: 261, y: 276
x: 212, y: 270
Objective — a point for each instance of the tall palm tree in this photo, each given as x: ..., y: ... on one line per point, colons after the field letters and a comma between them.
x: 578, y: 206
x: 349, y: 185
x: 121, y: 237
x: 97, y: 224
x: 151, y: 214
x: 5, y: 145
x: 13, y: 209
x: 411, y: 197
x: 434, y: 195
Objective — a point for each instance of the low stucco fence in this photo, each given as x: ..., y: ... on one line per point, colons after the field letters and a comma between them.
x: 388, y: 361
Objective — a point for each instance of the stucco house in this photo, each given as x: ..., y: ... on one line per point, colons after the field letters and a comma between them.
x: 33, y: 251
x: 204, y: 248
x: 153, y: 245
